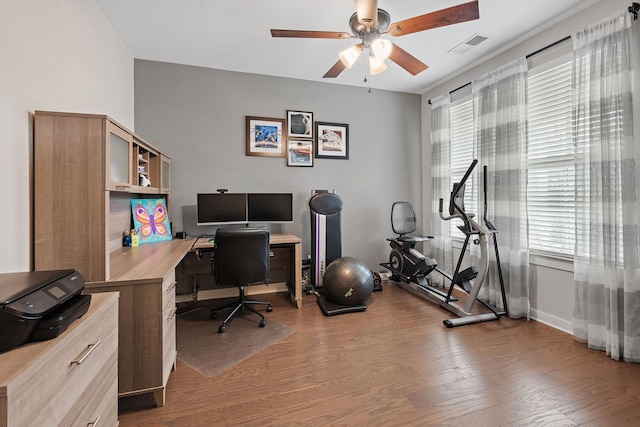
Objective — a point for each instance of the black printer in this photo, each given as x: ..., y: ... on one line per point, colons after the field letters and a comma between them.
x: 39, y: 305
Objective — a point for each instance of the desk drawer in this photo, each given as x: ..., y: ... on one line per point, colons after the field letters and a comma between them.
x: 169, y: 289
x: 169, y: 351
x: 281, y: 258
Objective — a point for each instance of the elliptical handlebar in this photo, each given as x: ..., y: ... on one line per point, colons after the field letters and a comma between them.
x: 460, y: 185
x: 456, y: 210
x: 446, y: 218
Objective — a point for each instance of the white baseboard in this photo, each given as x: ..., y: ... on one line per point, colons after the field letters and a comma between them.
x: 553, y: 321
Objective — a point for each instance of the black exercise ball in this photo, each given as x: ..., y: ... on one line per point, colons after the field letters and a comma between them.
x: 347, y: 281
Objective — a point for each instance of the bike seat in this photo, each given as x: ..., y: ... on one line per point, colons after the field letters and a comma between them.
x: 413, y: 239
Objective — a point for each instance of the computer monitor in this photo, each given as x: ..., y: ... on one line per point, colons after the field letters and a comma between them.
x: 270, y: 207
x: 221, y: 208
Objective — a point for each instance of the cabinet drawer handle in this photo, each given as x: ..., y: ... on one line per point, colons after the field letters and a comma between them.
x: 172, y: 286
x: 123, y: 187
x: 172, y: 314
x: 93, y: 423
x: 86, y: 354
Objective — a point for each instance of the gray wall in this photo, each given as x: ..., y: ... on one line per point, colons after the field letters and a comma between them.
x: 197, y: 116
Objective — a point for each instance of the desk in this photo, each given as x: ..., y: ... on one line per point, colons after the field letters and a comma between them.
x: 287, y: 261
x: 145, y: 278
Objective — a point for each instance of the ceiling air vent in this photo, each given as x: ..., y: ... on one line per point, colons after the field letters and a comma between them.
x: 472, y: 41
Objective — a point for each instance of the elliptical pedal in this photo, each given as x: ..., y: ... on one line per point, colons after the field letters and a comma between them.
x: 463, y: 278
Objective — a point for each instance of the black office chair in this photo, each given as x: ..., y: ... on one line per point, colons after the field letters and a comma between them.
x: 241, y: 258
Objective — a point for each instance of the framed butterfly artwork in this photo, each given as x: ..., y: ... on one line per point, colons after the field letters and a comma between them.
x: 151, y: 220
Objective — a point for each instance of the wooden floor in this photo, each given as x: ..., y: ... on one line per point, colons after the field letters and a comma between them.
x: 396, y: 365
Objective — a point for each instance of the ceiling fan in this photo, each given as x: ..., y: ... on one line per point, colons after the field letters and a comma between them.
x: 369, y: 23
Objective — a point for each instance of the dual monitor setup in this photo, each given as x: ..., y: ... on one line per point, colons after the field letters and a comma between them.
x: 242, y: 208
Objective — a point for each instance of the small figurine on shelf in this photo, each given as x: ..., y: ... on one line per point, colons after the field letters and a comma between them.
x: 126, y: 239
x: 144, y: 181
x: 135, y: 238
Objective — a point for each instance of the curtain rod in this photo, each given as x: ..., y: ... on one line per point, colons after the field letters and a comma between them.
x: 455, y: 90
x: 549, y: 46
x: 633, y: 9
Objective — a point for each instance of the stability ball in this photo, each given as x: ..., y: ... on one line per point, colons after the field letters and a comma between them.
x: 347, y: 281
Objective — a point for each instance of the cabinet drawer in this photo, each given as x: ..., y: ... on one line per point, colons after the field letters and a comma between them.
x: 61, y: 382
x: 168, y: 342
x: 169, y: 289
x: 281, y: 258
x: 168, y: 326
x: 102, y: 410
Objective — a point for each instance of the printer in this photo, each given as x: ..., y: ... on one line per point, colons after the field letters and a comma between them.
x: 39, y: 305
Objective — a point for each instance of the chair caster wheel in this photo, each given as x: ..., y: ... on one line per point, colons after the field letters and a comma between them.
x: 269, y: 309
x: 222, y: 329
x: 263, y: 323
x: 213, y: 315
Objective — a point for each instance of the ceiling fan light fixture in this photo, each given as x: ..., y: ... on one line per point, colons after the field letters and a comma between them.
x: 350, y: 55
x: 381, y: 48
x: 376, y: 65
x: 367, y: 12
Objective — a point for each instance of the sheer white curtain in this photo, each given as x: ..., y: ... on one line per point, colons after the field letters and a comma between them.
x: 440, y: 175
x: 606, y: 262
x: 500, y: 116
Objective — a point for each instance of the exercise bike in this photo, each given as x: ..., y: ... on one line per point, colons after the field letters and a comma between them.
x: 406, y: 263
x: 409, y: 268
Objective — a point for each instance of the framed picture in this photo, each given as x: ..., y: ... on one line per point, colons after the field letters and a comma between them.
x: 264, y: 137
x: 299, y: 152
x: 150, y: 219
x: 332, y: 140
x: 299, y: 124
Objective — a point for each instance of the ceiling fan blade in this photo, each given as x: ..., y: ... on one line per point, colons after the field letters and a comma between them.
x: 440, y: 18
x: 407, y: 61
x: 367, y: 12
x: 310, y: 34
x: 335, y: 71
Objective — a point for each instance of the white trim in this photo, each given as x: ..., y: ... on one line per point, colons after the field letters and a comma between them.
x: 553, y: 321
x: 551, y: 261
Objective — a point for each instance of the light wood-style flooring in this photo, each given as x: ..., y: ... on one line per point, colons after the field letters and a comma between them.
x: 396, y: 365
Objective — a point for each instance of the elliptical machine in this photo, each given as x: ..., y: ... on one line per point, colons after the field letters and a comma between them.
x: 409, y: 268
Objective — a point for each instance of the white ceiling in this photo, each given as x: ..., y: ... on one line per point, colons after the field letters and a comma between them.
x: 235, y: 35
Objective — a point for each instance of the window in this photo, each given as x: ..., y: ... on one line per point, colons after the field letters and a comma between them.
x: 551, y: 157
x: 550, y: 163
x: 462, y: 154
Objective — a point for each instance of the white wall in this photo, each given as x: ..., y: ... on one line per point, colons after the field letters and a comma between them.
x: 551, y: 284
x: 60, y: 55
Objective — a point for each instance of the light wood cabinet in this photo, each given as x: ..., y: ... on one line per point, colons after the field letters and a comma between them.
x: 165, y: 174
x: 118, y: 149
x: 85, y: 167
x: 86, y: 171
x: 70, y: 380
x: 146, y: 168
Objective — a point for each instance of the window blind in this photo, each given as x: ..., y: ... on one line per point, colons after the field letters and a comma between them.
x: 550, y: 162
x: 462, y: 154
